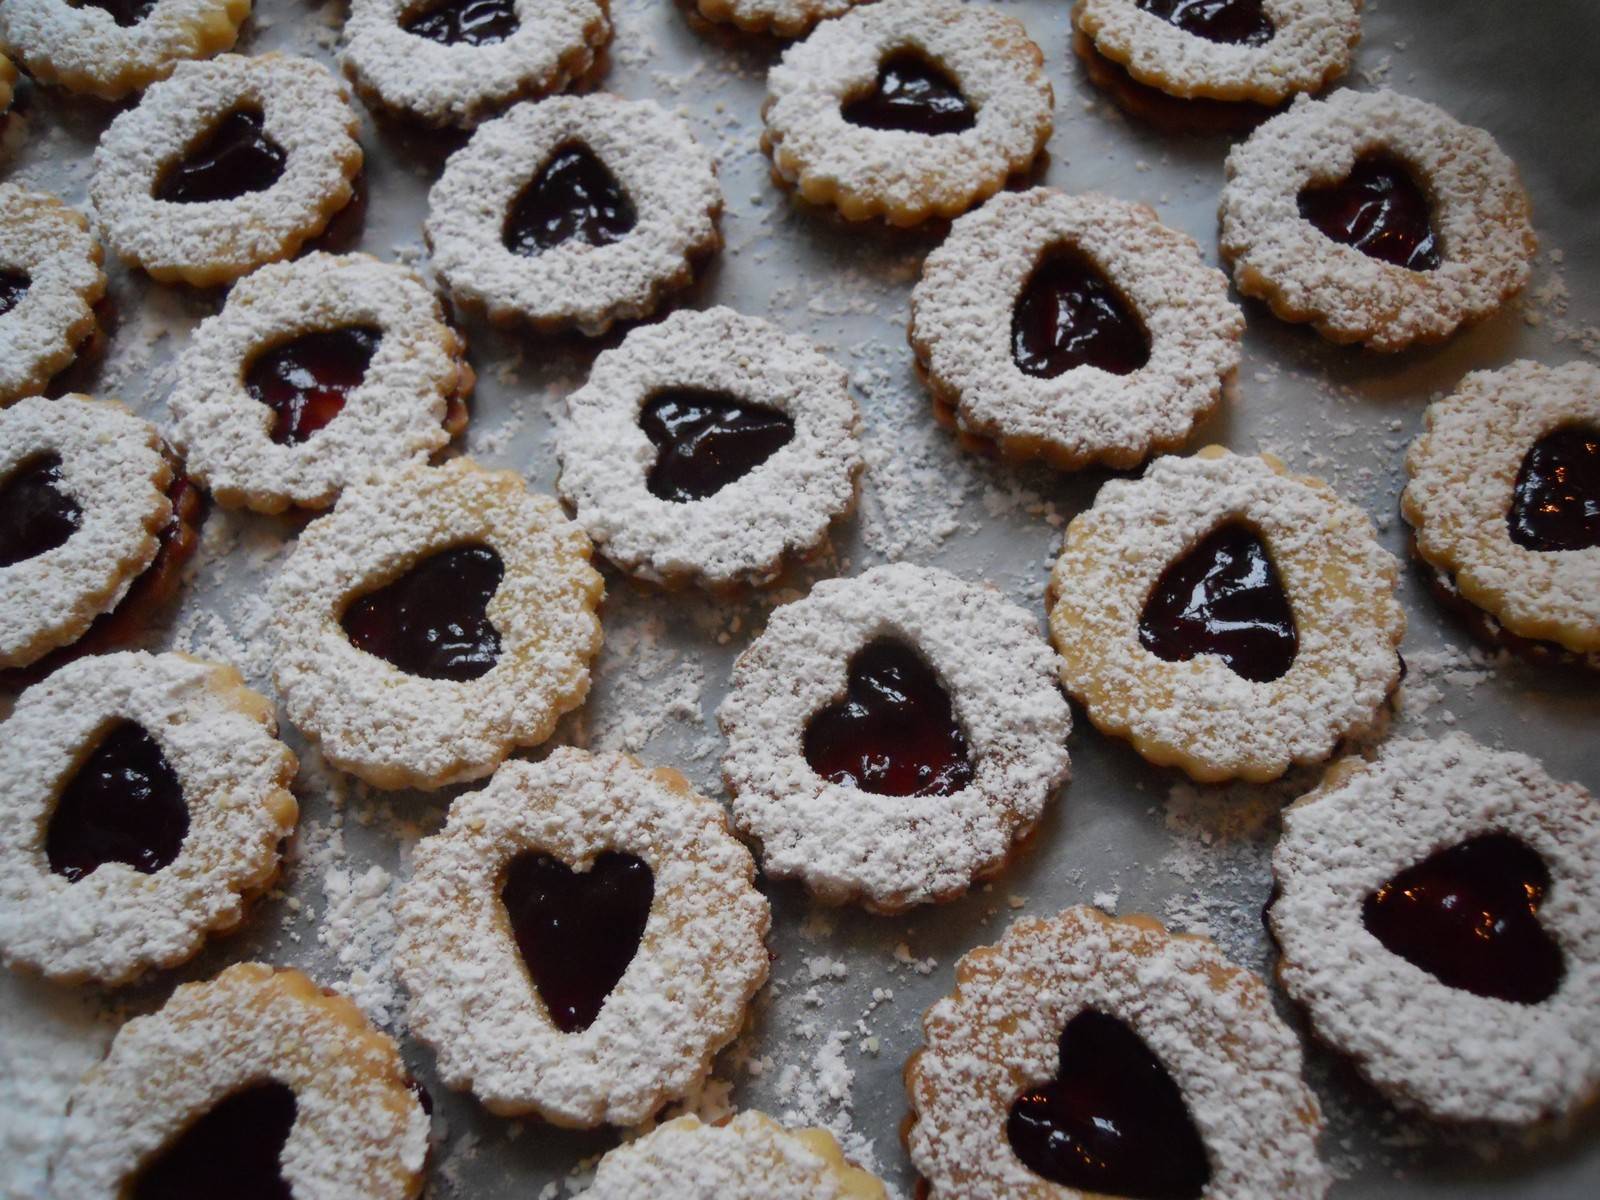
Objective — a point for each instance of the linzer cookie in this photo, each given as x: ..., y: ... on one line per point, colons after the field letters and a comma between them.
x: 1226, y: 617
x: 1076, y: 329
x: 50, y: 282
x: 907, y: 109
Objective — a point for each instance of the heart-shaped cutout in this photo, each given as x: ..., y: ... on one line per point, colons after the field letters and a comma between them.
x: 433, y: 621
x: 574, y: 195
x: 465, y: 22
x: 894, y: 733
x: 1379, y: 210
x: 912, y: 95
x: 1069, y: 315
x: 306, y: 382
x: 1469, y: 916
x: 1112, y: 1121
x: 1229, y: 22
x: 577, y: 930
x: 14, y: 286
x: 234, y: 1150
x: 1555, y: 504
x: 706, y: 440
x: 1224, y: 597
x: 123, y: 804
x: 235, y: 157
x: 126, y: 13
x: 36, y: 514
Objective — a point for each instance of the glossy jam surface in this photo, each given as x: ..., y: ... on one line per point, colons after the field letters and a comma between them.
x: 14, y: 286
x: 705, y: 440
x: 234, y: 1150
x: 1469, y: 916
x: 1224, y: 597
x: 1379, y: 209
x: 894, y: 733
x: 1068, y: 315
x: 433, y: 621
x: 1231, y: 22
x: 1555, y: 504
x: 912, y: 95
x: 577, y: 930
x: 465, y: 22
x: 574, y: 195
x: 124, y: 804
x: 36, y: 514
x: 235, y: 157
x: 1112, y: 1122
x: 126, y: 13
x: 306, y: 382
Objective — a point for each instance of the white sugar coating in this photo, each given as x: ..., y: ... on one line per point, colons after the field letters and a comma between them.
x: 304, y: 109
x: 1209, y: 1023
x: 113, y: 469
x: 1311, y: 45
x: 394, y: 416
x: 783, y: 18
x: 742, y: 532
x: 1449, y: 1052
x: 701, y: 958
x: 394, y: 729
x: 217, y: 736
x: 459, y: 84
x: 1464, y: 471
x: 1198, y: 714
x: 751, y: 1157
x: 906, y: 177
x: 84, y: 49
x: 961, y: 328
x: 668, y: 178
x: 1480, y: 214
x: 890, y: 852
x: 49, y: 243
x: 359, y: 1133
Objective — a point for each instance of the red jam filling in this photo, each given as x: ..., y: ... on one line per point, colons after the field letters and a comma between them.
x: 1556, y: 502
x: 912, y: 95
x: 36, y: 515
x: 1379, y: 209
x: 234, y: 1150
x: 14, y: 286
x: 433, y: 621
x: 1112, y: 1122
x: 1069, y: 315
x: 465, y: 22
x: 1231, y: 22
x: 307, y: 381
x: 124, y: 804
x: 706, y: 440
x: 235, y: 157
x: 577, y: 930
x: 574, y: 195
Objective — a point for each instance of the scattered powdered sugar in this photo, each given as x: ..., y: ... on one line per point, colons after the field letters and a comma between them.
x: 359, y: 927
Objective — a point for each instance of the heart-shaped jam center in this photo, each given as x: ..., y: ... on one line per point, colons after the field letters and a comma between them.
x: 234, y: 1150
x: 1069, y: 315
x: 1231, y: 22
x: 1556, y: 502
x: 705, y: 440
x: 433, y: 621
x: 912, y: 95
x: 1112, y: 1122
x: 124, y: 804
x: 306, y: 381
x: 894, y: 733
x: 14, y: 286
x: 36, y: 514
x: 1224, y: 597
x: 234, y: 157
x: 1469, y: 916
x: 1379, y: 209
x: 577, y: 930
x: 574, y: 195
x: 465, y: 22
x: 126, y: 13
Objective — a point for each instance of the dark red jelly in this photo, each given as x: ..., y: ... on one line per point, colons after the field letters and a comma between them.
x: 1231, y: 22
x: 306, y: 381
x: 574, y: 195
x: 465, y: 22
x: 14, y: 286
x: 1469, y: 916
x: 234, y: 1150
x: 577, y: 930
x: 912, y: 95
x: 1556, y: 502
x: 894, y: 733
x: 1112, y: 1122
x: 1069, y: 315
x: 1224, y: 597
x: 124, y: 804
x: 433, y: 621
x: 1379, y: 209
x: 235, y: 157
x: 126, y: 13
x: 36, y: 515
x: 705, y: 440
